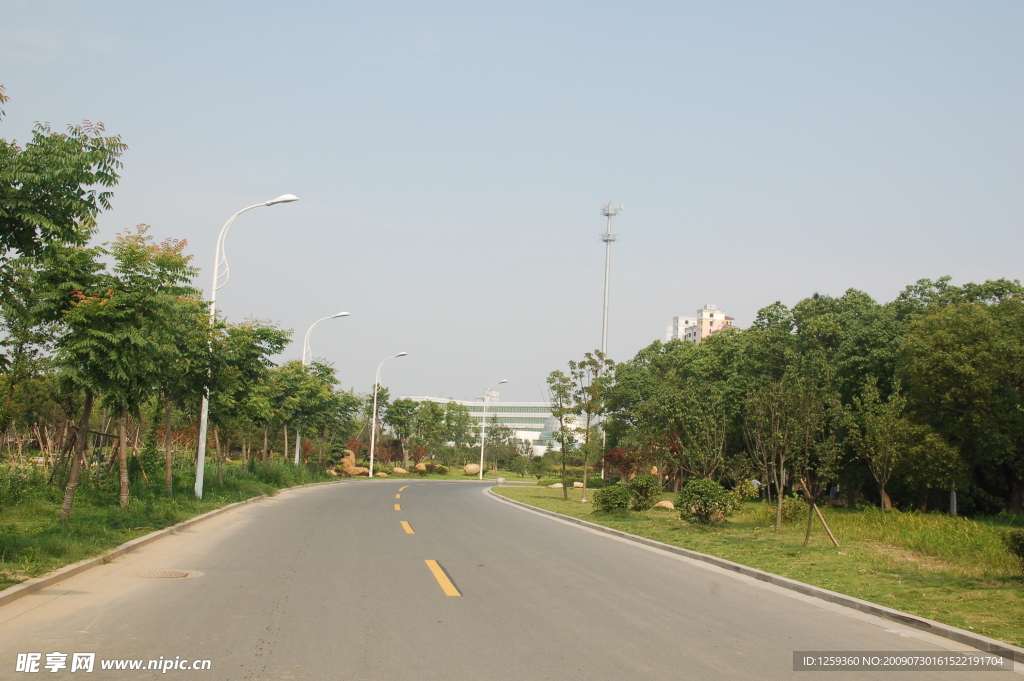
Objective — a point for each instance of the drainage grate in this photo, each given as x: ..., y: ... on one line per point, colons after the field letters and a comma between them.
x: 168, y: 574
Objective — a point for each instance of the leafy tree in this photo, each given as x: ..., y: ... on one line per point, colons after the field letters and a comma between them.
x: 963, y: 367
x: 563, y: 408
x: 51, y: 190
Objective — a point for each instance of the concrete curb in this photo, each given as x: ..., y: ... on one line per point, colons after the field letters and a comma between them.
x: 983, y: 643
x: 31, y: 586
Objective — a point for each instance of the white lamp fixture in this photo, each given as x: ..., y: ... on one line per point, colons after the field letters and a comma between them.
x: 219, y: 260
x: 483, y: 427
x: 373, y: 423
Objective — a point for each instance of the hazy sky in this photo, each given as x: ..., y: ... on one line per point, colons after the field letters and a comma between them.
x: 452, y: 159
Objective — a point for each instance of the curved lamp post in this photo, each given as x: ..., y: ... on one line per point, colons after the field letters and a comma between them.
x: 306, y: 357
x: 220, y: 260
x: 483, y: 426
x: 373, y: 426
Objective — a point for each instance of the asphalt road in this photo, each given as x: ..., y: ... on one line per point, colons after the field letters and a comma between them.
x: 327, y: 583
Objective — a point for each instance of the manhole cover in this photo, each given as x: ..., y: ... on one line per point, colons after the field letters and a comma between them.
x: 168, y: 574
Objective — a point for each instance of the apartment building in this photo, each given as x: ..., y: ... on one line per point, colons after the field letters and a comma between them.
x: 709, y: 320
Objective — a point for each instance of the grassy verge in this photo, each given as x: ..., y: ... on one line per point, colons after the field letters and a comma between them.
x: 33, y: 541
x: 952, y: 570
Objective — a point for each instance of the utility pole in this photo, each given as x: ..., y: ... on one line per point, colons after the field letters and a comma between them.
x: 609, y: 211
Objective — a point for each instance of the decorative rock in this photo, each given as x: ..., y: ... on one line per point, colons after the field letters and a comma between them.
x: 353, y: 471
x: 349, y: 460
x: 578, y: 485
x: 331, y: 471
x: 471, y: 468
x: 557, y: 485
x: 665, y: 504
x: 398, y: 470
x: 654, y: 470
x: 421, y: 466
x: 382, y: 474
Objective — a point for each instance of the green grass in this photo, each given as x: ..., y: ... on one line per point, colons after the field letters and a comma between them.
x: 34, y: 542
x: 952, y: 570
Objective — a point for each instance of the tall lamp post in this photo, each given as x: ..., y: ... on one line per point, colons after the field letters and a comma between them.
x: 483, y: 426
x: 373, y: 424
x: 220, y: 260
x: 306, y: 357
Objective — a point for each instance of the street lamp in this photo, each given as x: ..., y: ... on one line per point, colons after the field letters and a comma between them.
x: 373, y: 424
x: 483, y: 427
x: 220, y: 259
x: 306, y: 357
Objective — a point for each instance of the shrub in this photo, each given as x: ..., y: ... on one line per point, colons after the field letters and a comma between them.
x: 644, y: 492
x: 614, y: 498
x: 596, y: 483
x: 704, y: 501
x: 793, y: 509
x: 18, y: 482
x: 743, y: 491
x: 441, y: 470
x: 430, y: 466
x: 1014, y: 542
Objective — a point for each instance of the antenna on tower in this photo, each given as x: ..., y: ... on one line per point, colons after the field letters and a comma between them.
x: 609, y: 211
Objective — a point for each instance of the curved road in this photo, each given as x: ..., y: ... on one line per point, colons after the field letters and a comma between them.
x: 327, y: 583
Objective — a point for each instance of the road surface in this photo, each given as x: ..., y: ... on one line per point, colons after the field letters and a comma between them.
x: 424, y: 580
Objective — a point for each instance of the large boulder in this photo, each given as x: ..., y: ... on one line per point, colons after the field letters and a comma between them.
x: 665, y: 504
x: 421, y: 467
x: 472, y: 468
x: 577, y: 485
x: 353, y: 471
x: 557, y: 485
x: 398, y: 470
x: 348, y: 461
x: 382, y: 474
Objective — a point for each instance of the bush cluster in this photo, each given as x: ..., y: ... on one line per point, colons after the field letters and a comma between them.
x: 17, y: 482
x: 793, y: 509
x: 1014, y: 541
x: 644, y: 492
x: 611, y: 499
x: 704, y: 501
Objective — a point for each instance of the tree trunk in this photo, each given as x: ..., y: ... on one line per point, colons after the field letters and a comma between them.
x: 886, y: 501
x: 168, y: 454
x: 853, y: 493
x: 76, y: 461
x: 286, y: 442
x: 583, y: 500
x: 1017, y: 495
x: 810, y: 522
x: 266, y: 441
x: 220, y: 459
x: 122, y: 455
x: 922, y: 500
x: 778, y: 504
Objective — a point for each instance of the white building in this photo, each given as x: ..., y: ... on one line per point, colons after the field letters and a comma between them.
x: 709, y: 320
x: 529, y: 421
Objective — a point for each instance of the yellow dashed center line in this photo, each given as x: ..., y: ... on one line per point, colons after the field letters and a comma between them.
x: 407, y: 528
x: 398, y: 496
x: 442, y: 578
x: 403, y: 488
x: 398, y: 507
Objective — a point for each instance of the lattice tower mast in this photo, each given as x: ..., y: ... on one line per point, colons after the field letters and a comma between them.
x: 609, y: 211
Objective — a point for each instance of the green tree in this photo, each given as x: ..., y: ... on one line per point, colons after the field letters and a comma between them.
x: 52, y: 189
x: 963, y: 368
x: 118, y: 337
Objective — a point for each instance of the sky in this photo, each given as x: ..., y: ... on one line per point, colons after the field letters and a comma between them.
x: 452, y: 158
